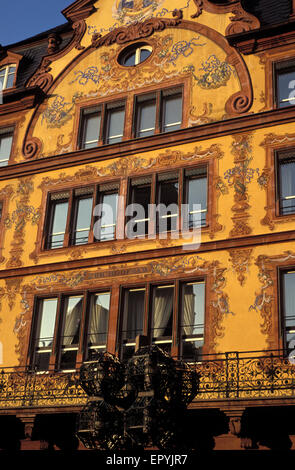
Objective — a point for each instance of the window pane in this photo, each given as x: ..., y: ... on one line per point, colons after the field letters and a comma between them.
x: 109, y: 217
x: 84, y: 211
x: 167, y: 196
x: 192, y: 320
x: 144, y: 54
x: 286, y: 87
x: 129, y: 60
x: 197, y: 194
x: 146, y: 118
x: 133, y: 313
x: 5, y: 148
x: 172, y: 113
x: 10, y: 77
x: 91, y: 130
x: 287, y: 187
x: 115, y: 125
x: 141, y: 195
x: 44, y: 337
x: 133, y: 319
x: 47, y: 322
x: 162, y: 316
x: 98, y: 320
x: 71, y: 330
x: 289, y: 306
x: 60, y: 212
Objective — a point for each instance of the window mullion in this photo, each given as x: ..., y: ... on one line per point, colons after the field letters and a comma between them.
x: 158, y: 124
x: 180, y: 199
x: 152, y: 209
x: 54, y: 358
x: 175, y: 321
x: 122, y: 203
x: 95, y: 198
x: 103, y: 124
x: 147, y: 313
x: 82, y: 337
x: 69, y: 220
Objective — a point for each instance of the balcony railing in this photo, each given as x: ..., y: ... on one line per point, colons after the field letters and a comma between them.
x: 232, y: 375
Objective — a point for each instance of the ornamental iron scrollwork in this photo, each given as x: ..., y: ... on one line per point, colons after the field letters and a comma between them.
x: 136, y: 404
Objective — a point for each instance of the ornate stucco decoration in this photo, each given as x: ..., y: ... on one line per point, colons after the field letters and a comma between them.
x: 241, y: 20
x: 163, y: 268
x: 267, y: 299
x: 238, y: 103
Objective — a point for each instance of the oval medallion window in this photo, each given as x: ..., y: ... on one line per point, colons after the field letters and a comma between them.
x: 135, y: 55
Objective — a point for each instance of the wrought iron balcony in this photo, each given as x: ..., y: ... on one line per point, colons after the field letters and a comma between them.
x: 232, y: 375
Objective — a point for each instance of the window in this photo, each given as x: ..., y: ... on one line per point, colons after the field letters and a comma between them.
x: 152, y: 311
x: 286, y: 183
x: 135, y: 116
x: 288, y: 309
x: 102, y: 125
x: 139, y: 200
x: 6, y: 137
x: 167, y: 199
x: 158, y: 112
x: 68, y: 330
x: 285, y: 84
x: 162, y: 191
x: 7, y: 76
x: 134, y: 55
x: 195, y: 187
x: 82, y: 215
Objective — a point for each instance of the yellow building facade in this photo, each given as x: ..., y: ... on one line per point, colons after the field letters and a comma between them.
x: 180, y: 101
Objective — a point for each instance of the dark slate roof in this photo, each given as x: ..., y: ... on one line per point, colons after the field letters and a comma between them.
x: 269, y: 11
x: 34, y: 49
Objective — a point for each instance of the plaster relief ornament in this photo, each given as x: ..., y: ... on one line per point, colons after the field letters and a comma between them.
x: 134, y: 9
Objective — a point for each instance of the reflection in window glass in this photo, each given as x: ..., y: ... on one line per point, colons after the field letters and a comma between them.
x: 5, y: 146
x: 192, y: 323
x: 45, y: 333
x: 71, y: 331
x: 146, y: 117
x: 289, y: 308
x: 59, y: 221
x: 115, y: 124
x: 91, y: 129
x: 98, y: 323
x: 196, y: 194
x: 162, y: 316
x: 108, y: 217
x: 287, y: 186
x: 172, y: 112
x: 7, y: 75
x: 83, y: 222
x: 286, y: 88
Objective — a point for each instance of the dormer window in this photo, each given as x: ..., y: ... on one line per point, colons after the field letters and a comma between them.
x: 7, y: 76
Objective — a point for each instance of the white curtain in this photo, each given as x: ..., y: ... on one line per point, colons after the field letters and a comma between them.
x: 72, y: 324
x: 98, y: 324
x: 163, y: 309
x: 188, y: 311
x: 135, y: 315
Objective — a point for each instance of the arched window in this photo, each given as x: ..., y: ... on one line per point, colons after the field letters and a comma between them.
x: 7, y: 76
x: 135, y: 55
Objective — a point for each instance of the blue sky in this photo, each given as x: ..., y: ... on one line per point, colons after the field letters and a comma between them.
x: 21, y: 19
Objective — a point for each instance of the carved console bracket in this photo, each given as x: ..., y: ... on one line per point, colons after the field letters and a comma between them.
x: 241, y: 21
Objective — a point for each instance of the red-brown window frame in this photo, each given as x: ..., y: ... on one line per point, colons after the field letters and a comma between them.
x: 130, y: 98
x: 177, y: 309
x: 54, y: 360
